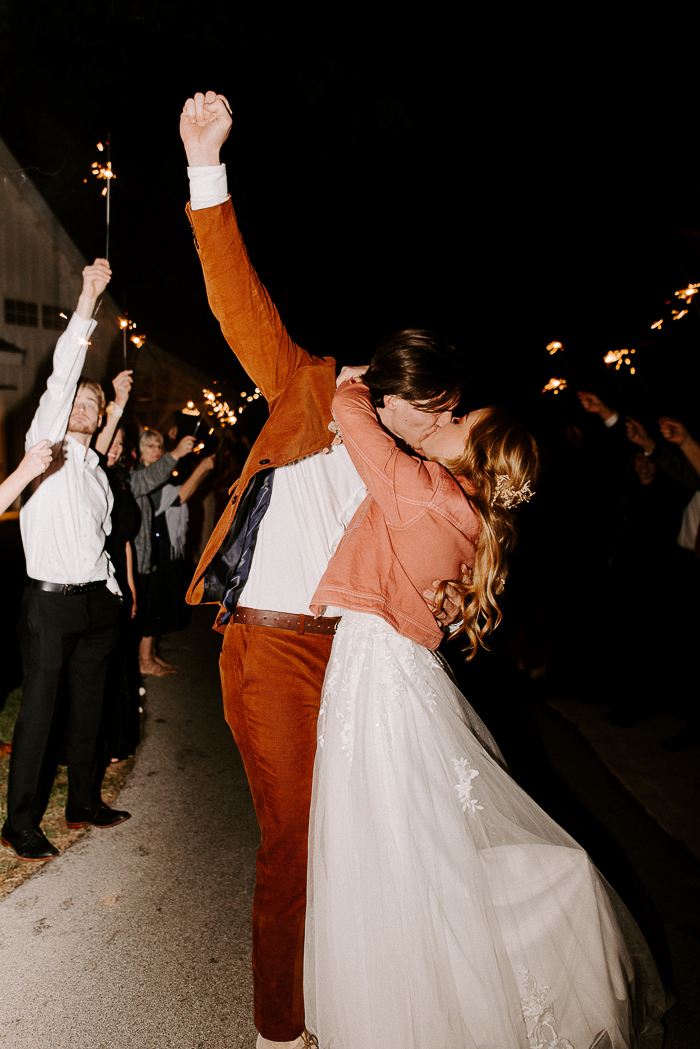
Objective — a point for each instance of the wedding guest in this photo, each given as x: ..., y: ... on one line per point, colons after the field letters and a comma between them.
x: 152, y: 471
x: 70, y: 607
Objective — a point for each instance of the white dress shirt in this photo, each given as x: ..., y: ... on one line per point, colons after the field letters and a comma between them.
x: 313, y: 500
x: 65, y: 517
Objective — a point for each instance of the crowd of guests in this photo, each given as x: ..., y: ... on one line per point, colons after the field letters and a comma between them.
x: 104, y: 527
x: 610, y: 564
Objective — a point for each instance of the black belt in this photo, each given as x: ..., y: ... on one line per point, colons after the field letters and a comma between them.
x: 65, y: 588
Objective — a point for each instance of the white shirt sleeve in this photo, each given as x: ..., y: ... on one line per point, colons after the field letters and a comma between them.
x: 208, y: 186
x: 53, y: 413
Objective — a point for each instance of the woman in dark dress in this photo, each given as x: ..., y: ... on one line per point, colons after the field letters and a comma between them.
x: 122, y: 700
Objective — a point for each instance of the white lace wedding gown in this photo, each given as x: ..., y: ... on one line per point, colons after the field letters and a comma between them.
x: 446, y: 910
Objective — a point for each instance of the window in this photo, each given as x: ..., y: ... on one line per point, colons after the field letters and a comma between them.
x: 51, y: 318
x: 18, y: 312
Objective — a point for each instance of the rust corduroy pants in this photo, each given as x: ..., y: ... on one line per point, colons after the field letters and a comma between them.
x: 271, y: 681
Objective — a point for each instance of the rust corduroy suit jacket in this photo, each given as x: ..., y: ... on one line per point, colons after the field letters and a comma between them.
x: 297, y: 386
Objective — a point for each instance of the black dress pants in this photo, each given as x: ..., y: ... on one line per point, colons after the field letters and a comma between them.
x: 62, y: 637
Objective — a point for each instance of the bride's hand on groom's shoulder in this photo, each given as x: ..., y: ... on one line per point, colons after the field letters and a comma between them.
x: 350, y: 372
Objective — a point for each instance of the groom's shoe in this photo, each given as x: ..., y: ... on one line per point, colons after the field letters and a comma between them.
x: 102, y: 816
x: 29, y: 845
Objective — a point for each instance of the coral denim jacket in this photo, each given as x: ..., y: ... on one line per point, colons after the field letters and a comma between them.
x: 415, y: 526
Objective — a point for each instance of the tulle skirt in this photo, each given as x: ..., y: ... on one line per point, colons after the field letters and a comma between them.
x: 446, y: 910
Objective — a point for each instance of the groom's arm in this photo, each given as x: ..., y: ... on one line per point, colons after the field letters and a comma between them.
x: 248, y: 317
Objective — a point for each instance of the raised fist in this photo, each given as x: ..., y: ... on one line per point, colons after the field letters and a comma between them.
x: 673, y: 430
x: 205, y: 122
x: 122, y: 387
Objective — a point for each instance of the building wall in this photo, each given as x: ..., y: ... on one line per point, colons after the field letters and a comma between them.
x: 41, y: 266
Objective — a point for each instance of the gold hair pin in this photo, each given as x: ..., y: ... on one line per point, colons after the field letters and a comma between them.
x: 508, y: 496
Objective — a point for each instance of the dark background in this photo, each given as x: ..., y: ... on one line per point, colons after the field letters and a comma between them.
x: 510, y: 181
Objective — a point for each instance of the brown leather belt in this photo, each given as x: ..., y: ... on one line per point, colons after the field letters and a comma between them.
x: 286, y: 620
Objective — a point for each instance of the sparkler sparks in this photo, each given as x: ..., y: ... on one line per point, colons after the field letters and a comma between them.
x: 190, y: 409
x: 677, y: 314
x: 686, y: 294
x: 552, y: 347
x: 618, y: 357
x: 219, y: 408
x: 555, y: 385
x: 657, y: 324
x: 102, y: 171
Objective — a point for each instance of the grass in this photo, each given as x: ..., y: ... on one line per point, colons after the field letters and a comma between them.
x: 12, y: 870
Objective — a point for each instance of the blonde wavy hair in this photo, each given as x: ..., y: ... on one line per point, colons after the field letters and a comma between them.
x: 500, y: 461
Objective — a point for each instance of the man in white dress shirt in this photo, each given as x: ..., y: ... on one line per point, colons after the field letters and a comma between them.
x: 70, y: 607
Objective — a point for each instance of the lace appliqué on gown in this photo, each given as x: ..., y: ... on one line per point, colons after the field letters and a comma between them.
x: 390, y: 687
x: 539, y: 1015
x: 464, y: 788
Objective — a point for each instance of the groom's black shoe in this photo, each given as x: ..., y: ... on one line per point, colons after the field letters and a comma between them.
x: 102, y: 816
x: 28, y: 844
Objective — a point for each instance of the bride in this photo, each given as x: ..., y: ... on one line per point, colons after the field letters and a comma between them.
x: 446, y: 910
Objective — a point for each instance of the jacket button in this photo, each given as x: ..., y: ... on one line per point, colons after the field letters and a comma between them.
x: 264, y: 462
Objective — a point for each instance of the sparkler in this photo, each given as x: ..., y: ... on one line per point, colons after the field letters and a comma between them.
x: 127, y: 325
x: 220, y: 409
x: 686, y: 294
x: 555, y: 385
x: 104, y: 171
x: 619, y: 357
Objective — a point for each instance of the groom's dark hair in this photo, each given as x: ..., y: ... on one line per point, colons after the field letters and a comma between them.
x: 418, y: 366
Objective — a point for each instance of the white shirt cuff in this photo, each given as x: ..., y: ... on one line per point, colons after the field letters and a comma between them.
x: 611, y: 420
x: 208, y: 186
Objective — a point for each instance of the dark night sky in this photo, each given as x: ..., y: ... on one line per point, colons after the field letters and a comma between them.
x: 504, y: 189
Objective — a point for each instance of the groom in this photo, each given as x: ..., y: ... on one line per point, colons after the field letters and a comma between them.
x: 287, y: 513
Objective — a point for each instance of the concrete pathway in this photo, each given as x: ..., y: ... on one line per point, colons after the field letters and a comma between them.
x: 139, y: 936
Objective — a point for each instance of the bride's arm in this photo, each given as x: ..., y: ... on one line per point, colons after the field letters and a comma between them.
x: 402, y: 484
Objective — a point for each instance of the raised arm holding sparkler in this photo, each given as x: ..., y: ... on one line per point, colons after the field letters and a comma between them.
x: 115, y: 409
x: 680, y: 457
x: 675, y: 432
x: 590, y: 402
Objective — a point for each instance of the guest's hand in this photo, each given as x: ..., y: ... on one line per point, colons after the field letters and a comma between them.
x: 672, y: 430
x: 183, y: 447
x: 206, y: 465
x: 205, y: 123
x: 590, y: 402
x: 95, y: 280
x: 122, y: 387
x: 638, y: 435
x: 350, y: 372
x: 35, y: 461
